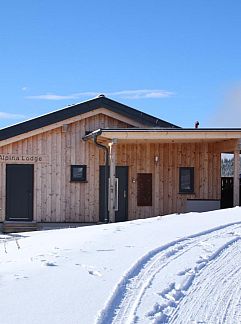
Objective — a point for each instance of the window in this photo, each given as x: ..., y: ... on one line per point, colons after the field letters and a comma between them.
x: 144, y: 189
x: 186, y: 180
x: 78, y: 172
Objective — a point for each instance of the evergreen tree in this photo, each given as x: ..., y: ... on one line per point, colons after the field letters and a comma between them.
x: 227, y: 167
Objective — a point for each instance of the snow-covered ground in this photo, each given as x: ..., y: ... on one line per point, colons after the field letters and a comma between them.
x: 171, y: 269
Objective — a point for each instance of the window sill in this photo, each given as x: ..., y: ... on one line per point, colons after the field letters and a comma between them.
x: 187, y: 193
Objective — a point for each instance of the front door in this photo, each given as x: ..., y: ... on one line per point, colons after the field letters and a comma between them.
x: 227, y: 192
x: 19, y: 192
x: 122, y: 174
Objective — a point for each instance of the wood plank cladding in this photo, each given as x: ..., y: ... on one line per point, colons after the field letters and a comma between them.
x: 165, y: 173
x: 56, y: 198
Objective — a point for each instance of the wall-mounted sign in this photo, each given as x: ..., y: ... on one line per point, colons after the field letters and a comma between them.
x: 19, y: 158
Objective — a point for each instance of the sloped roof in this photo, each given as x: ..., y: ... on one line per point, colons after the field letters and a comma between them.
x: 81, y: 108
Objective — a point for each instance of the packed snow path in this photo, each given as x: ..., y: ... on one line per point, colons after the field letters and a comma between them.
x: 203, y: 289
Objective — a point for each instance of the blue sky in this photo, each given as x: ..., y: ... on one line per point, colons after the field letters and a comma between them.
x: 177, y: 60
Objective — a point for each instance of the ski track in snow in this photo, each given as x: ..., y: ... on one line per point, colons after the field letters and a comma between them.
x: 201, y: 291
x: 220, y: 282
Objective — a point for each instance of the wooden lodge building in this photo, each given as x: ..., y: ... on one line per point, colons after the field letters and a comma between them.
x: 101, y: 161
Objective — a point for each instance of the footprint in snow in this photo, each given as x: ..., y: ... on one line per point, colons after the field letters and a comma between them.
x: 50, y: 264
x: 84, y: 251
x: 94, y: 273
x: 91, y: 270
x: 105, y: 250
x: 20, y: 277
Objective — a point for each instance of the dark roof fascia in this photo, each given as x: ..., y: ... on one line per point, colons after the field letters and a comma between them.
x: 49, y: 119
x: 78, y: 109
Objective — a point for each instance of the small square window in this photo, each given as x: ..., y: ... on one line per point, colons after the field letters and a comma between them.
x: 186, y: 180
x: 78, y: 172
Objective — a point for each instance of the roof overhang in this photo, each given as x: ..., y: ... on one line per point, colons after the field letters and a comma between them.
x: 137, y: 136
x: 165, y: 135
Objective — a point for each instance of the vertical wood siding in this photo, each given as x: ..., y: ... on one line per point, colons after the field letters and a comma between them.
x: 56, y: 199
x: 166, y: 198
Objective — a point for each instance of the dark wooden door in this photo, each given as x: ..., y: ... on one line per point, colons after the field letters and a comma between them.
x: 227, y: 192
x: 102, y: 195
x: 122, y: 213
x: 122, y: 174
x: 19, y: 192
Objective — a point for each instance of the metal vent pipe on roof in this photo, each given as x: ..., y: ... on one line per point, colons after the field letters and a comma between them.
x: 196, y: 124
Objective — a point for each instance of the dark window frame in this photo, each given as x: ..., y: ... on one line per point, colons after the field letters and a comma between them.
x: 78, y: 179
x: 191, y: 189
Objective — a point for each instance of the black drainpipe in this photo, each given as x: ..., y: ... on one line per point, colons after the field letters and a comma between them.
x: 103, y: 147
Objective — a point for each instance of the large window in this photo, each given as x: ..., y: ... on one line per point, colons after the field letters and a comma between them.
x: 186, y: 180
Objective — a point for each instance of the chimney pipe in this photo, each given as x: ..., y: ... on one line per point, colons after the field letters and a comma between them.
x: 196, y: 124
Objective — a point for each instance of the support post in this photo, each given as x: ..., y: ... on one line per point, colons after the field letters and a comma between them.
x: 236, y: 180
x: 112, y: 191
